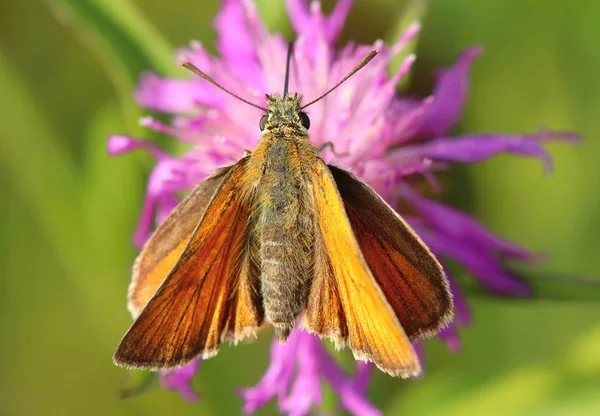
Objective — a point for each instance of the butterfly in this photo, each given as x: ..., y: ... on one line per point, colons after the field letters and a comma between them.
x: 282, y: 238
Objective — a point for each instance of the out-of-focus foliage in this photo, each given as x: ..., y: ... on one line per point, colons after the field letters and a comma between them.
x: 67, y: 210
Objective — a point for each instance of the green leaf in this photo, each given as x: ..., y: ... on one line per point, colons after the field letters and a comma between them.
x: 40, y: 166
x: 125, y: 32
x: 126, y: 43
x: 43, y: 171
x: 112, y: 191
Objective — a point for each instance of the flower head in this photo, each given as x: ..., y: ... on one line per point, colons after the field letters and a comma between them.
x: 386, y: 139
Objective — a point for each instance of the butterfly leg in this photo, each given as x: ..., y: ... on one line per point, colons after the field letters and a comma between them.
x: 332, y: 147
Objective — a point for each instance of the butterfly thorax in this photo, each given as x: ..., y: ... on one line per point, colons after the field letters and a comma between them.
x: 284, y: 234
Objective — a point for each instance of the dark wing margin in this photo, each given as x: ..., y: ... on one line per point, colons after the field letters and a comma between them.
x: 409, y: 275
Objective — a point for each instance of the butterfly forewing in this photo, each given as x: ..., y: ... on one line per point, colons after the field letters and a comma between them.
x: 408, y: 274
x: 163, y: 249
x: 209, y: 295
x: 346, y: 304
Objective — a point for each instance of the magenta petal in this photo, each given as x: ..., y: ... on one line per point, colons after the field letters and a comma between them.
x: 418, y: 346
x: 180, y: 379
x: 306, y: 387
x: 362, y: 378
x: 168, y: 177
x: 234, y: 42
x: 276, y: 379
x: 480, y: 147
x: 158, y: 126
x: 462, y: 313
x: 174, y: 95
x: 305, y: 17
x: 350, y: 392
x: 451, y: 338
x: 145, y: 222
x: 118, y: 144
x: 308, y: 19
x: 462, y: 316
x: 299, y: 14
x: 304, y: 354
x: 461, y: 226
x: 337, y: 18
x: 405, y: 129
x: 479, y: 261
x: 449, y: 95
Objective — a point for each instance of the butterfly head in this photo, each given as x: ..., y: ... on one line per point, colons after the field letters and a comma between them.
x: 284, y: 111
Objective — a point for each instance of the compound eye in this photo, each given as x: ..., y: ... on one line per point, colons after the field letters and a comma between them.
x: 305, y: 120
x: 263, y: 122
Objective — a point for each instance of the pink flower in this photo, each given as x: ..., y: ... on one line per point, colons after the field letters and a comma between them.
x: 383, y: 137
x: 181, y: 380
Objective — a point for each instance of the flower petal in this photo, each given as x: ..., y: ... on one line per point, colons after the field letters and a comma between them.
x: 169, y: 177
x: 306, y: 354
x: 234, y: 41
x: 480, y: 147
x: 451, y: 338
x: 462, y: 316
x: 237, y: 26
x: 306, y: 387
x: 462, y: 227
x: 449, y: 95
x: 174, y: 95
x: 351, y: 392
x: 119, y: 144
x: 462, y: 313
x: 308, y: 19
x: 180, y: 379
x: 479, y: 261
x: 276, y: 379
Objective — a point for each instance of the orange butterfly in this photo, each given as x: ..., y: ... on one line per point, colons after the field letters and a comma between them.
x: 279, y: 236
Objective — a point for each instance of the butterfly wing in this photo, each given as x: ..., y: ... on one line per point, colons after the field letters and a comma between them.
x: 209, y: 295
x: 346, y: 304
x: 163, y: 248
x: 408, y: 274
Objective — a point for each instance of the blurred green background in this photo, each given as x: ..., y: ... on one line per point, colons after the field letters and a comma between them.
x: 67, y: 210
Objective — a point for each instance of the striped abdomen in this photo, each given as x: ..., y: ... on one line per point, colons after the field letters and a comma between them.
x: 285, y: 232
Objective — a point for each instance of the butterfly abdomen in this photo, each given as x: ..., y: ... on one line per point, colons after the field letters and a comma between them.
x: 285, y: 235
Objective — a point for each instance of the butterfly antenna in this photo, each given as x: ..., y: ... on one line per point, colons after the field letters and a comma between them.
x: 205, y: 77
x: 287, y: 68
x: 357, y: 68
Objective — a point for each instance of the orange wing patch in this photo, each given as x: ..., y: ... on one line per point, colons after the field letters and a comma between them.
x: 409, y: 275
x: 162, y: 250
x: 346, y: 303
x: 209, y: 295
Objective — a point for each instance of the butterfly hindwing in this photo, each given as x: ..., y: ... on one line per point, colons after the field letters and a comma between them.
x: 408, y: 274
x: 346, y: 304
x: 211, y: 292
